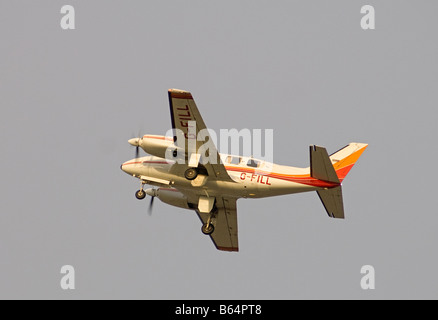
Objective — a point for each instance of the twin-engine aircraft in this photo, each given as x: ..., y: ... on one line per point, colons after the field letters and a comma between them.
x: 210, y: 183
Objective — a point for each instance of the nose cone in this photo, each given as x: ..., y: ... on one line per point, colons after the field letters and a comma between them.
x: 129, y: 167
x: 134, y: 142
x: 123, y: 167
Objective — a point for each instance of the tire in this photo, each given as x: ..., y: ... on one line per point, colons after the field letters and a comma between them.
x: 208, y: 231
x: 191, y: 173
x: 140, y: 194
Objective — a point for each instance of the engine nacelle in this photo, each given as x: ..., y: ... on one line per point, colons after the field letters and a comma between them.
x: 173, y: 197
x: 157, y: 145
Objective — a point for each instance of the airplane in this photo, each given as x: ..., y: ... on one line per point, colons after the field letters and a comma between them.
x: 212, y: 188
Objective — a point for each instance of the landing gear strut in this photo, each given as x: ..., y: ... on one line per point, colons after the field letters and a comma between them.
x: 141, y: 194
x: 207, y: 228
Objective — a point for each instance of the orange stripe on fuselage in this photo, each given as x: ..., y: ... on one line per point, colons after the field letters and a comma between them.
x: 303, y: 179
x: 134, y: 162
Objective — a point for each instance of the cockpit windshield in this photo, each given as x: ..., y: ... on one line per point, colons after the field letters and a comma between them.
x: 233, y: 160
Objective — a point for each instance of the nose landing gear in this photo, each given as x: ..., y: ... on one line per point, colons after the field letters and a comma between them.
x: 141, y: 194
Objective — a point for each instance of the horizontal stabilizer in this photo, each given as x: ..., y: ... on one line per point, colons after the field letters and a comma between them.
x: 332, y: 201
x: 321, y: 167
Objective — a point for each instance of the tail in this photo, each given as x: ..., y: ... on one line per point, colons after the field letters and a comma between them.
x: 344, y: 159
x: 333, y: 169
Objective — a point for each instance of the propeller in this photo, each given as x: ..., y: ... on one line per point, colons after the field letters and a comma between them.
x: 137, y: 152
x: 136, y: 143
x: 151, y: 204
x: 152, y: 193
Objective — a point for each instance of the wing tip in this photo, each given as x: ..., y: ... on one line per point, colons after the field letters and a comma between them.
x: 180, y: 94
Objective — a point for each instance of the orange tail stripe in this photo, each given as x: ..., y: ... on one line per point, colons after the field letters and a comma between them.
x: 350, y: 160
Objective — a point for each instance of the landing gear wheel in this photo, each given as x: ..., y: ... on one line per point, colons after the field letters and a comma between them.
x: 191, y: 173
x: 140, y: 194
x: 207, y: 229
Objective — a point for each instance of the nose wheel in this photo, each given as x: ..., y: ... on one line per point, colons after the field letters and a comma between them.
x: 141, y: 194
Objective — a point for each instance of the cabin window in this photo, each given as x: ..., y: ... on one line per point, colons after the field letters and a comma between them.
x: 235, y: 160
x: 253, y: 163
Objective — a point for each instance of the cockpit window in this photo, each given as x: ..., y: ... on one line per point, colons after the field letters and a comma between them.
x: 253, y: 163
x: 233, y: 160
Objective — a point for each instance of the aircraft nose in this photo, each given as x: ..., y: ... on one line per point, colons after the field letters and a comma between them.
x: 131, y: 167
x: 125, y: 167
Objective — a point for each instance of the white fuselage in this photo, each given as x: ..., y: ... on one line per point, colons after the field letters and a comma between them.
x: 266, y: 180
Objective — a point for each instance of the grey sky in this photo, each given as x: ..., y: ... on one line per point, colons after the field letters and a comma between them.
x: 70, y: 100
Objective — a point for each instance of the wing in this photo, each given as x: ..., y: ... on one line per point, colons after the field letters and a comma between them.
x: 225, y: 224
x: 188, y: 121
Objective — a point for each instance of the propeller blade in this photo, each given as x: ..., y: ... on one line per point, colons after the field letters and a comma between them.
x: 137, y: 152
x: 151, y: 204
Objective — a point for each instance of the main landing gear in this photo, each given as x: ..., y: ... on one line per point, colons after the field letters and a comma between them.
x: 191, y: 173
x: 208, y: 228
x: 141, y: 194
